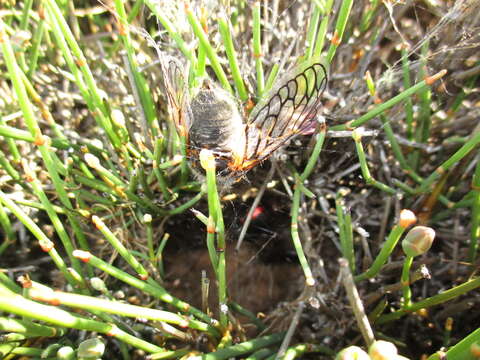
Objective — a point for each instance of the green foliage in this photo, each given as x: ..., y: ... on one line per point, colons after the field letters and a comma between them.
x: 111, y: 174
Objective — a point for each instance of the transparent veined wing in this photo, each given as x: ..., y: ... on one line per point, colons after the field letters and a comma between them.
x: 176, y: 90
x: 288, y: 110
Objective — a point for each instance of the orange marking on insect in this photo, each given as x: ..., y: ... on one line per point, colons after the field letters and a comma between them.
x: 237, y: 160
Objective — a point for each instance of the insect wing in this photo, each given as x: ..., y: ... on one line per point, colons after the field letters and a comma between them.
x: 290, y: 109
x: 176, y: 90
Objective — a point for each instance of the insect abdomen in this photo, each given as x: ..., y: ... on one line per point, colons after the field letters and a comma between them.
x: 217, y: 123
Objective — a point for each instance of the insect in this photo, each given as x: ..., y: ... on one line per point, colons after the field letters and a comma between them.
x: 210, y: 118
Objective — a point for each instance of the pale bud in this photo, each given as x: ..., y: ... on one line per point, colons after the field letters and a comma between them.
x: 65, y: 353
x: 98, y: 284
x: 92, y: 160
x: 118, y: 118
x: 352, y: 353
x: 383, y: 350
x: 418, y: 240
x: 91, y: 348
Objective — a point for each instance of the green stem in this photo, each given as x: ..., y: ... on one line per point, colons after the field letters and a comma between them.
x: 157, y: 291
x: 469, y: 146
x: 257, y: 48
x: 388, y: 104
x: 16, y: 304
x: 364, y: 166
x: 242, y: 348
x: 382, y: 257
x: 432, y: 301
x: 95, y: 304
x: 475, y: 222
x: 44, y: 242
x: 339, y: 28
x: 226, y: 34
x: 320, y: 137
x: 405, y: 279
x: 461, y: 350
x: 212, y: 55
x: 215, y: 210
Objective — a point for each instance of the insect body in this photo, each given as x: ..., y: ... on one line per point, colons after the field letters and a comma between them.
x: 211, y: 118
x: 216, y: 124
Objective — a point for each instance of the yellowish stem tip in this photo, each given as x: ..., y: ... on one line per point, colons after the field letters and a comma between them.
x: 357, y: 134
x: 207, y: 160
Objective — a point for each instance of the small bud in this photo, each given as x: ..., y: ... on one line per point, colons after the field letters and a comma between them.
x: 352, y: 353
x: 84, y: 256
x: 407, y: 218
x: 65, y: 353
x: 99, y: 224
x: 98, y: 284
x: 475, y: 350
x: 97, y: 143
x: 119, y: 295
x: 147, y: 218
x: 118, y: 118
x: 449, y: 324
x: 224, y: 308
x: 418, y: 240
x: 46, y: 245
x: 92, y: 160
x: 383, y: 350
x: 84, y: 213
x: 91, y: 348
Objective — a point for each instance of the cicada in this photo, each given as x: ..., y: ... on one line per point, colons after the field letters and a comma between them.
x: 210, y: 118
